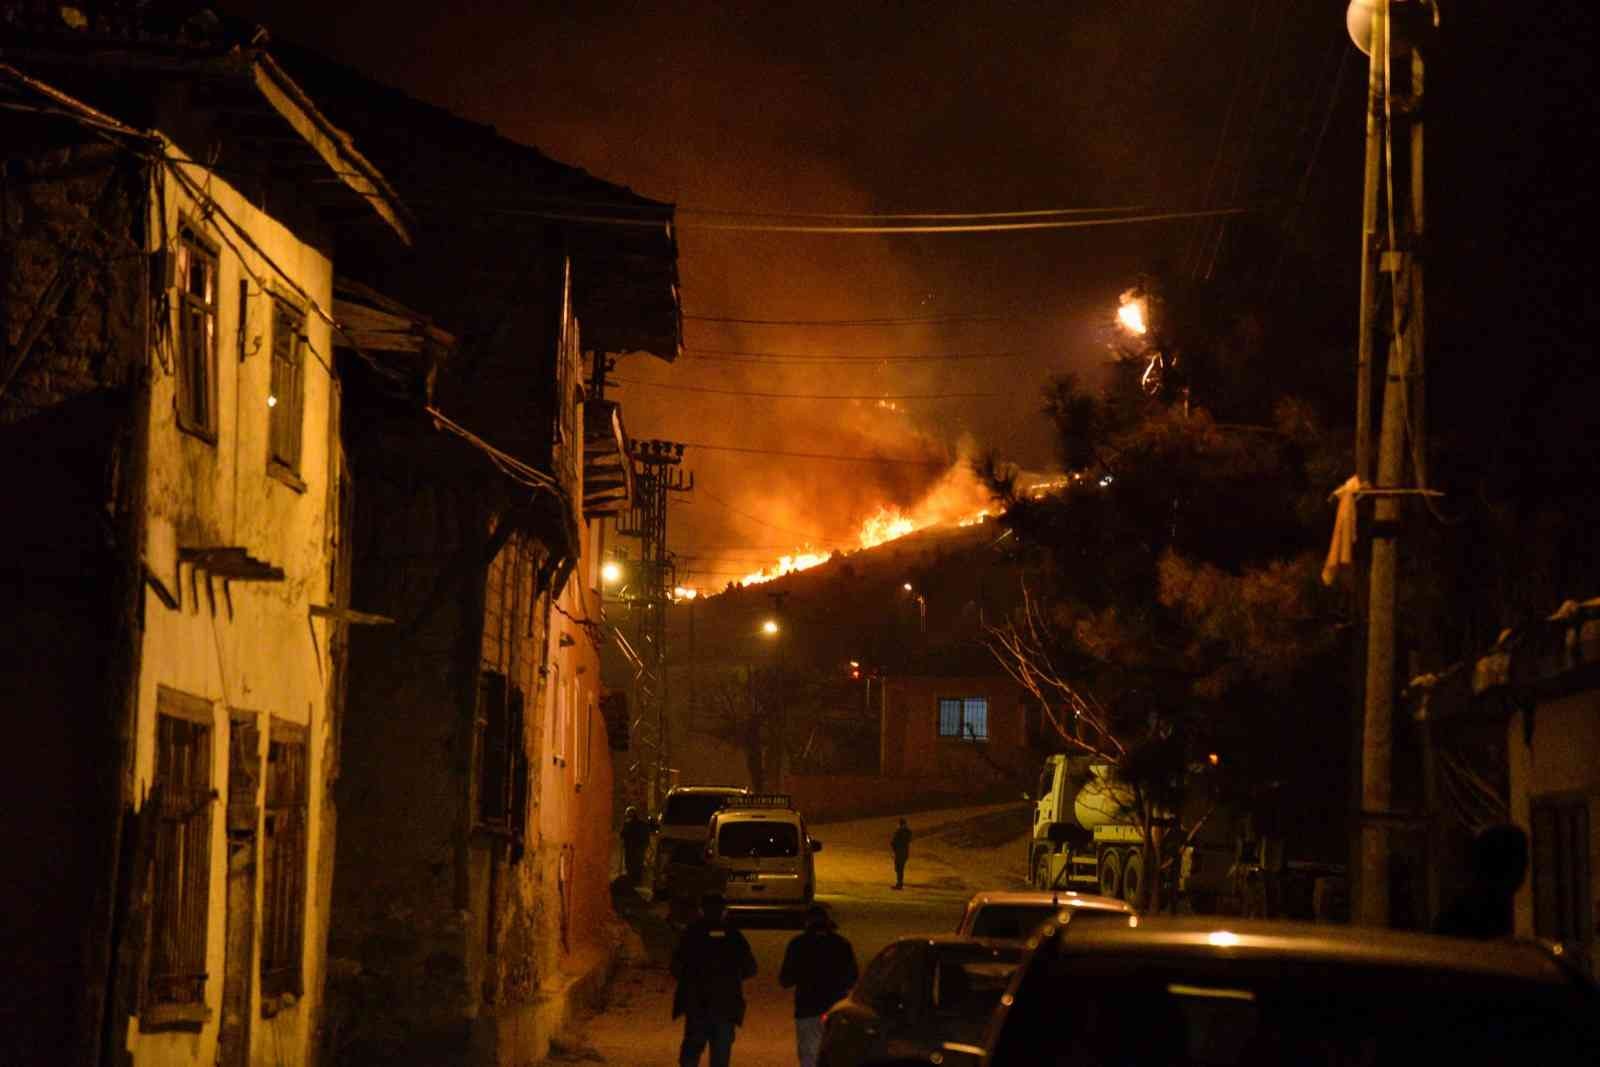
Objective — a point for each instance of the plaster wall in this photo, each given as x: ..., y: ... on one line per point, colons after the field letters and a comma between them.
x: 245, y: 647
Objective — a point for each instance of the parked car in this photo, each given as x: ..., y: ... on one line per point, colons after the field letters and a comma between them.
x: 920, y: 1000
x: 680, y: 829
x: 1014, y: 916
x: 1199, y: 991
x: 759, y: 846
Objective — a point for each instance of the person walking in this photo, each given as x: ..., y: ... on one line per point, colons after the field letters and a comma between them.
x: 635, y: 840
x: 900, y: 845
x: 711, y: 964
x: 820, y: 966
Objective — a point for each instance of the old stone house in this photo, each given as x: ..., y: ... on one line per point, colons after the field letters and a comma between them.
x: 471, y: 895
x: 173, y: 563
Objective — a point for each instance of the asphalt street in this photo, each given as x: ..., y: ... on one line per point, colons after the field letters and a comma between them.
x: 954, y: 854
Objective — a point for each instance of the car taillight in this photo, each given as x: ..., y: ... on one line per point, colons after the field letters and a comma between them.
x: 824, y: 1019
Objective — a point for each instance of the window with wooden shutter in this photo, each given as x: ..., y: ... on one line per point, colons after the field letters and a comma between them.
x: 286, y: 398
x: 196, y: 270
x: 284, y: 855
x: 180, y: 874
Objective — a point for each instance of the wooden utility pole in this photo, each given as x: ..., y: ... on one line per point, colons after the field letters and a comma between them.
x: 1397, y: 246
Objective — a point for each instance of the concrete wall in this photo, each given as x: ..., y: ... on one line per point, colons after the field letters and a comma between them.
x: 1554, y: 756
x: 249, y: 648
x: 912, y: 747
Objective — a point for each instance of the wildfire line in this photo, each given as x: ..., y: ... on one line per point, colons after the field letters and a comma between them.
x: 808, y: 396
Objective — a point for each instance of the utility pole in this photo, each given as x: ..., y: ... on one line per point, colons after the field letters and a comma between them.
x: 657, y: 473
x: 1394, y: 238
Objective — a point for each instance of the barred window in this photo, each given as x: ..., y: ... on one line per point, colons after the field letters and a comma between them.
x: 964, y: 718
x: 197, y: 334
x: 284, y: 845
x: 286, y: 401
x: 180, y: 891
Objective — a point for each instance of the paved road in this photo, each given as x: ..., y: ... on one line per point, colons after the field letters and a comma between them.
x: 955, y: 854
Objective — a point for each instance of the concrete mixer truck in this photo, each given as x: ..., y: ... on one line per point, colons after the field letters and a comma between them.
x: 1085, y: 837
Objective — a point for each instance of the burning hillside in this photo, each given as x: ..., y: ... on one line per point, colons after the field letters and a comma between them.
x: 957, y: 498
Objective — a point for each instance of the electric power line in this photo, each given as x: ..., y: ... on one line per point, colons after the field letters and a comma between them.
x: 805, y: 396
x: 707, y: 495
x: 979, y: 227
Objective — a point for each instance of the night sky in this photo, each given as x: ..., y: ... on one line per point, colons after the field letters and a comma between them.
x: 917, y: 107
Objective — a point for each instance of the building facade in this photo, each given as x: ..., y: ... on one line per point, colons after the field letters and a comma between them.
x: 177, y: 334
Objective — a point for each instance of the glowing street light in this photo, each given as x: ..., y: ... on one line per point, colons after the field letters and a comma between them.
x: 611, y: 572
x: 770, y: 627
x: 906, y: 587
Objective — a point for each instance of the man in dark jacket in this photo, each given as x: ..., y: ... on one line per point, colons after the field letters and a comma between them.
x: 900, y: 845
x: 820, y: 966
x: 711, y: 964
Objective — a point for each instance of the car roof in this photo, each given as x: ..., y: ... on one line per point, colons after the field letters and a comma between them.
x: 997, y: 944
x: 1265, y: 939
x: 706, y: 790
x: 1065, y: 900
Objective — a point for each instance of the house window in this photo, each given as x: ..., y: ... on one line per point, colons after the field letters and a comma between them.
x: 585, y: 739
x: 558, y: 701
x: 175, y: 962
x: 197, y: 335
x: 1561, y: 893
x: 285, y: 402
x: 284, y: 844
x: 964, y: 718
x: 502, y: 756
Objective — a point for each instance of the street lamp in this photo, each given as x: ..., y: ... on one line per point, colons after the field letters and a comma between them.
x: 611, y: 572
x: 922, y: 604
x: 770, y: 627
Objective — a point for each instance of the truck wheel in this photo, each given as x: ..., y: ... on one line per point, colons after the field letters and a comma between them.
x: 1133, y: 878
x: 1111, y: 873
x: 1041, y: 871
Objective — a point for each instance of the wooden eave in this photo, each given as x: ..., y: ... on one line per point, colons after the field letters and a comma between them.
x: 256, y: 104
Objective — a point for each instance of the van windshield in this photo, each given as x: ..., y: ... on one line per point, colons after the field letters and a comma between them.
x: 763, y: 839
x: 692, y: 809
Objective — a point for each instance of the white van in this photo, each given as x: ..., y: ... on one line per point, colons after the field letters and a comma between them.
x: 680, y: 829
x: 760, y: 844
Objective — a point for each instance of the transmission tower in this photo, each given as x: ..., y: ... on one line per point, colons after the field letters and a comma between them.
x: 658, y: 472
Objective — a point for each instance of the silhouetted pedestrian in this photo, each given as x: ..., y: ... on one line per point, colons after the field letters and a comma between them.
x: 635, y: 840
x: 711, y: 964
x: 820, y: 966
x: 900, y: 845
x: 1499, y: 864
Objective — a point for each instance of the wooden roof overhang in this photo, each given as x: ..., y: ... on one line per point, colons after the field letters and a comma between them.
x: 257, y: 118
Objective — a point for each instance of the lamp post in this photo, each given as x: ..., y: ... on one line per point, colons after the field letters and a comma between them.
x: 922, y: 606
x: 773, y: 630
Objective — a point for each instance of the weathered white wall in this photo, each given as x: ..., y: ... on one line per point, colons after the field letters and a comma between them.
x: 266, y: 655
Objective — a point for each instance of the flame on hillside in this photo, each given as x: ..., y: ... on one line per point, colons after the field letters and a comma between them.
x: 959, y: 498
